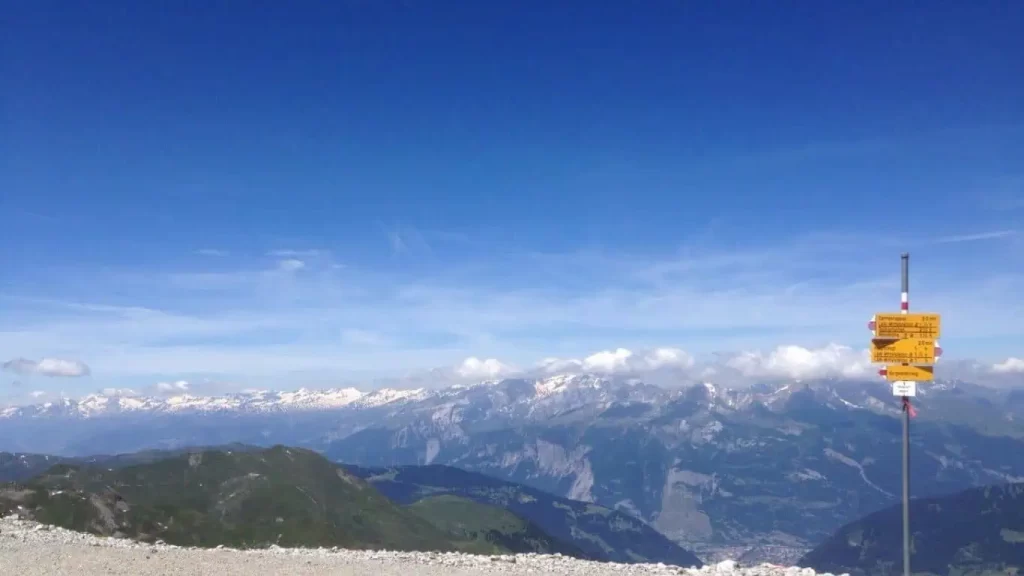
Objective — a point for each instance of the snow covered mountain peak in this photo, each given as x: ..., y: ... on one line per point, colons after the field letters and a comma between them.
x: 564, y: 382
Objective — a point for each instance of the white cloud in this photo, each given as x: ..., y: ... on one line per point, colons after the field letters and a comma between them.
x: 47, y: 367
x: 1010, y: 366
x: 668, y: 358
x: 172, y: 387
x: 474, y: 367
x: 37, y: 394
x: 622, y: 361
x: 791, y: 361
x: 798, y: 362
x: 608, y: 361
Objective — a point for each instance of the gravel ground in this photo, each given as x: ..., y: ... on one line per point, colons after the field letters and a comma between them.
x: 31, y: 549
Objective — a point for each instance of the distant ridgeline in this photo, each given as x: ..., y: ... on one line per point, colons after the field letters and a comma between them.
x: 977, y: 532
x: 248, y: 497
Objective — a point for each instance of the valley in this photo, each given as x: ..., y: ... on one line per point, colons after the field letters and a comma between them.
x: 763, y: 473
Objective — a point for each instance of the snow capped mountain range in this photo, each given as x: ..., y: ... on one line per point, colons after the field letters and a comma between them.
x: 252, y: 401
x: 547, y: 395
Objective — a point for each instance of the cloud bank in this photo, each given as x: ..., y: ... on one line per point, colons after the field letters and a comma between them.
x: 676, y: 366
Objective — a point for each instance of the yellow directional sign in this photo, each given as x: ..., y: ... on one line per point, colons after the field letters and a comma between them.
x: 896, y: 325
x: 908, y: 350
x: 896, y: 373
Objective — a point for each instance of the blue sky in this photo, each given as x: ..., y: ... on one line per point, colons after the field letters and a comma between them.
x: 316, y: 191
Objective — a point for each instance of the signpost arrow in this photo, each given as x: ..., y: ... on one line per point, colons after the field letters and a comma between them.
x: 896, y: 373
x: 906, y: 351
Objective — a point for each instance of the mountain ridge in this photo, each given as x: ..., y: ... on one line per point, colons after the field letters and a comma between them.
x: 974, y: 532
x: 281, y: 495
x: 601, y: 532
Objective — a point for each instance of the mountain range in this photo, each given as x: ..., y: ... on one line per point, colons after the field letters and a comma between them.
x: 758, y: 473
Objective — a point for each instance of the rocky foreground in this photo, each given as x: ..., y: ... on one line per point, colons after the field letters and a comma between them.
x: 28, y: 548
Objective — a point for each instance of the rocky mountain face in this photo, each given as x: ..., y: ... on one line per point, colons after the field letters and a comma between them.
x: 758, y: 473
x: 971, y: 533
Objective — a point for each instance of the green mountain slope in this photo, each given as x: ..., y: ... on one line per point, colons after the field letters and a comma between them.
x: 977, y: 532
x: 488, y: 529
x: 19, y: 467
x: 283, y: 496
x: 601, y: 533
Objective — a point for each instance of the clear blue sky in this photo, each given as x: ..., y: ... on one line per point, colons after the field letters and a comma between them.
x: 304, y: 191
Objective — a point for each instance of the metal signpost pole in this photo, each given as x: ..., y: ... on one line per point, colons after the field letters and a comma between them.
x: 904, y: 308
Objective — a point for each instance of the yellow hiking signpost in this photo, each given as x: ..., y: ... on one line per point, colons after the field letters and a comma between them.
x: 908, y: 345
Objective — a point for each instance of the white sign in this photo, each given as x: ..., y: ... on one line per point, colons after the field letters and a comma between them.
x: 904, y: 388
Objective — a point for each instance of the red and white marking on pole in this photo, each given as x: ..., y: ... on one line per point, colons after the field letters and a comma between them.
x: 905, y: 309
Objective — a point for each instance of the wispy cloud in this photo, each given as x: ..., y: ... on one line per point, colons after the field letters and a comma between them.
x: 976, y: 237
x: 288, y: 253
x: 235, y: 320
x: 406, y: 239
x: 176, y: 387
x: 212, y: 252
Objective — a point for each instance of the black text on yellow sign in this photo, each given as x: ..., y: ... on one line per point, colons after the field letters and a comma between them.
x: 897, y: 373
x: 904, y: 351
x: 897, y: 325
